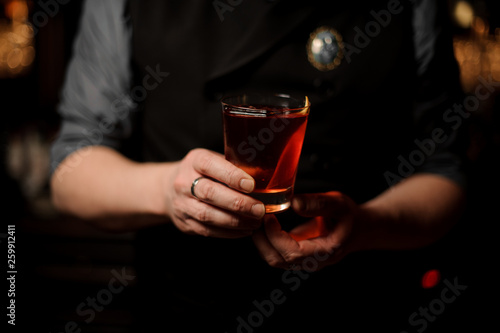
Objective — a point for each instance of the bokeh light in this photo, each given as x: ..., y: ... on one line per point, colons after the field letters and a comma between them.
x: 464, y: 14
x: 431, y: 278
x: 17, y: 53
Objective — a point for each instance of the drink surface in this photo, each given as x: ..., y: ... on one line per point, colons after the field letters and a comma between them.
x: 266, y: 146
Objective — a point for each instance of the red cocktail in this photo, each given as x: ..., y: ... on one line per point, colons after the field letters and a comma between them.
x: 263, y: 135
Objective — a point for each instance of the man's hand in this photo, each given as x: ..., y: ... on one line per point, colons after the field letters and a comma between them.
x: 220, y: 207
x: 414, y: 213
x: 323, y: 238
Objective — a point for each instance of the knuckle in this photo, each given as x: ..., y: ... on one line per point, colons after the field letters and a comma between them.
x: 234, y: 222
x: 178, y: 185
x: 188, y: 159
x: 203, y: 215
x: 238, y: 204
x: 194, y: 152
x: 183, y: 226
x: 206, y: 192
x: 205, y: 162
x: 176, y: 207
x: 232, y: 176
x: 290, y: 256
x: 203, y: 231
x: 192, y: 227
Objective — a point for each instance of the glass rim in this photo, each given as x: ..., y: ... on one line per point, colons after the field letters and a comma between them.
x: 230, y: 101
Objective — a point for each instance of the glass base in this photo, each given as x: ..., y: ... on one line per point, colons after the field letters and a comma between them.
x: 277, y: 208
x: 275, y: 200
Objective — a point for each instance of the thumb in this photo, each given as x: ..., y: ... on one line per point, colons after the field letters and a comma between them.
x: 328, y: 204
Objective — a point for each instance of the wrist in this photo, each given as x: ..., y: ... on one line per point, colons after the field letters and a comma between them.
x: 371, y: 226
x: 153, y: 181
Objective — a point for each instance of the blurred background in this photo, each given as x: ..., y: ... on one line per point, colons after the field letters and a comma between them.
x: 62, y: 261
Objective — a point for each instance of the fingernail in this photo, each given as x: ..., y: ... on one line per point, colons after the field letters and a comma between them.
x: 247, y: 184
x: 259, y: 210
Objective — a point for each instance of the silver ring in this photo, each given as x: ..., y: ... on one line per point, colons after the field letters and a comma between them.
x: 194, y: 184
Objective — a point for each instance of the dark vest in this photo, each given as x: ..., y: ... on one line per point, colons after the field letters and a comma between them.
x: 360, y: 121
x: 361, y: 112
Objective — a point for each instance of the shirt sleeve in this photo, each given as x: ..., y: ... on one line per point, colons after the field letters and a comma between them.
x: 438, y: 91
x: 95, y: 107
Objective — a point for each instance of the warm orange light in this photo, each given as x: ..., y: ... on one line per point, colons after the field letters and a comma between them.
x: 9, y: 9
x: 312, y: 229
x: 480, y: 26
x: 16, y: 40
x: 464, y: 14
x: 16, y: 10
x: 28, y: 56
x: 478, y: 54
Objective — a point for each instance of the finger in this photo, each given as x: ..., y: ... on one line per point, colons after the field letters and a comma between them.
x: 310, y: 254
x: 190, y: 226
x: 266, y: 251
x: 215, y: 166
x: 196, y: 228
x: 317, y: 253
x: 322, y: 243
x: 320, y: 204
x: 311, y: 229
x: 223, y: 197
x: 213, y: 216
x: 318, y: 235
x: 282, y: 242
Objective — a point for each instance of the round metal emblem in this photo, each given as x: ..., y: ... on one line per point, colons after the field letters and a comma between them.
x: 325, y: 48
